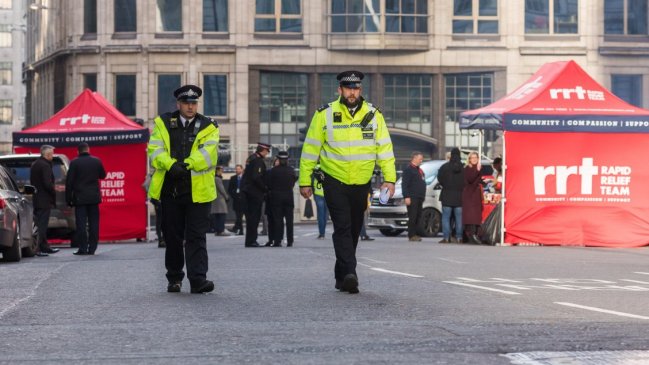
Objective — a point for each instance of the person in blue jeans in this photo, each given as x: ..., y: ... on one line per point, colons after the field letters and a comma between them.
x: 451, y: 178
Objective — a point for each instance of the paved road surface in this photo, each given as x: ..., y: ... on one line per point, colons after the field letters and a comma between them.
x: 420, y: 303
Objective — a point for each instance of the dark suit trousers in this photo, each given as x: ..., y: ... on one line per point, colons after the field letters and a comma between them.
x: 414, y: 216
x: 238, y: 213
x: 184, y: 221
x: 346, y: 204
x: 42, y: 218
x: 282, y: 211
x: 87, y: 221
x: 253, y: 215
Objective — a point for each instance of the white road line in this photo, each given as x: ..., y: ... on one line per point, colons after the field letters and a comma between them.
x: 482, y: 287
x: 369, y: 259
x: 641, y: 273
x: 32, y: 291
x: 309, y: 234
x: 396, y: 272
x: 594, y: 309
x: 635, y: 281
x: 453, y: 261
x: 365, y: 265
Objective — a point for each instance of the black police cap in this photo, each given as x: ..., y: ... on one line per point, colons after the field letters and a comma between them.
x: 189, y: 93
x: 282, y: 155
x: 265, y: 146
x: 350, y: 79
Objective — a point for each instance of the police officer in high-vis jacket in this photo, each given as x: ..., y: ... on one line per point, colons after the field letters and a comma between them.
x: 183, y: 151
x: 349, y: 137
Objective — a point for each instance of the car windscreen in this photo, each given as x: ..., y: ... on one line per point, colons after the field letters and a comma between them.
x: 21, y: 170
x: 430, y: 169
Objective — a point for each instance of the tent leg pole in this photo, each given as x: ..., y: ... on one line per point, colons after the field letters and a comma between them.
x: 503, y: 198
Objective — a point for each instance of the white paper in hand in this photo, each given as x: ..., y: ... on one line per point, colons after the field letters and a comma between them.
x: 384, y: 196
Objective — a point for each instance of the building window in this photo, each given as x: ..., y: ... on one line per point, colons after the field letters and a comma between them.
x: 399, y: 16
x: 169, y: 15
x: 167, y: 84
x: 408, y: 102
x: 475, y: 17
x: 278, y: 16
x: 125, y: 94
x: 5, y: 35
x: 5, y: 4
x: 464, y: 92
x: 551, y: 16
x: 5, y: 112
x: 329, y: 88
x: 282, y: 108
x: 215, y: 95
x: 125, y: 16
x: 90, y: 16
x: 90, y: 81
x: 628, y: 88
x: 6, y: 77
x: 627, y: 17
x: 215, y: 15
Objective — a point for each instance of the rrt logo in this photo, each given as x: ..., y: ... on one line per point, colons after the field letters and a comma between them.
x: 611, y: 180
x: 578, y: 91
x: 85, y: 119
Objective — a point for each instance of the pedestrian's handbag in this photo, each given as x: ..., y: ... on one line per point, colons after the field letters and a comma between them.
x: 308, y: 208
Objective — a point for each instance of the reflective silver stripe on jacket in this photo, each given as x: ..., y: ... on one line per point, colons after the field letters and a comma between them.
x: 157, y: 143
x: 309, y: 156
x: 354, y: 157
x: 385, y: 155
x: 384, y: 141
x: 156, y: 153
x: 357, y: 143
x: 312, y: 141
x: 198, y: 173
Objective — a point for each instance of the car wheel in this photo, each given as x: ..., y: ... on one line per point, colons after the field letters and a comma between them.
x: 390, y: 232
x: 31, y: 250
x: 14, y: 253
x: 430, y: 223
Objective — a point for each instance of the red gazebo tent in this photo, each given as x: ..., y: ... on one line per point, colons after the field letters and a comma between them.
x: 121, y: 145
x: 575, y: 165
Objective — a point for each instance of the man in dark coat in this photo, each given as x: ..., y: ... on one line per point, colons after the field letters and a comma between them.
x: 42, y: 177
x: 451, y: 178
x: 82, y: 191
x: 472, y: 198
x: 413, y: 187
x: 281, y: 180
x: 253, y: 186
x: 234, y: 190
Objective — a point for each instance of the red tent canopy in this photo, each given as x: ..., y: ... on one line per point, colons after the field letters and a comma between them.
x: 582, y: 184
x: 121, y: 145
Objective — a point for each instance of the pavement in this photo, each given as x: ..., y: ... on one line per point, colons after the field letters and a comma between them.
x: 420, y: 303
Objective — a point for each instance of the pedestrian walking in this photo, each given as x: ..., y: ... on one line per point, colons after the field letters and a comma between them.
x: 219, y: 208
x: 234, y: 190
x: 321, y: 205
x: 413, y: 187
x: 83, y: 193
x: 451, y: 178
x: 281, y: 180
x: 267, y: 215
x: 42, y: 177
x: 472, y: 198
x: 348, y: 136
x: 183, y: 150
x: 253, y: 186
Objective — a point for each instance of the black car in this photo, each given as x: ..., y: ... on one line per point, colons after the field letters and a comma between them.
x: 62, y: 223
x: 18, y: 233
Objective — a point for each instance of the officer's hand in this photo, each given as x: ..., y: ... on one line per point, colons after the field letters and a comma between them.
x: 407, y: 200
x: 306, y: 192
x: 390, y: 187
x: 186, y: 166
x: 177, y: 170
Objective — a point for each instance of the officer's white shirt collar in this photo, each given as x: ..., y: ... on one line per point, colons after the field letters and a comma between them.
x: 185, y: 121
x: 352, y: 110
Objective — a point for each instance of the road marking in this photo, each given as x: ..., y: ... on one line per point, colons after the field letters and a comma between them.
x: 453, y: 261
x: 365, y: 265
x: 578, y: 357
x: 641, y: 273
x: 309, y: 234
x: 31, y: 291
x: 607, y: 311
x: 482, y: 287
x: 396, y: 272
x: 635, y: 281
x: 369, y: 259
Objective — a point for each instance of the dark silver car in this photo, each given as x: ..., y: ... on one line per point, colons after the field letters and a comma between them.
x: 18, y: 233
x: 62, y: 223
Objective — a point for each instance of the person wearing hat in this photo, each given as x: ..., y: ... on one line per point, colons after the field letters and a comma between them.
x: 253, y: 187
x: 183, y: 151
x: 348, y: 136
x: 281, y: 180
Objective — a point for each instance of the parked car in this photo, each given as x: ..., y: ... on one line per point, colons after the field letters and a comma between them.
x: 18, y: 233
x: 392, y: 218
x: 62, y: 223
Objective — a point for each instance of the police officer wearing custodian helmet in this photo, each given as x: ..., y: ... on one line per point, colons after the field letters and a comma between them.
x: 349, y: 137
x: 183, y: 151
x: 253, y: 186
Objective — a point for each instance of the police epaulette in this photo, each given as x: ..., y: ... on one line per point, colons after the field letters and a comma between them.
x: 214, y: 122
x: 375, y: 107
x: 324, y: 107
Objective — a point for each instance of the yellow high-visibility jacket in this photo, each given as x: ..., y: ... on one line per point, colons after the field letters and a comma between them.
x: 347, y: 152
x: 202, y: 160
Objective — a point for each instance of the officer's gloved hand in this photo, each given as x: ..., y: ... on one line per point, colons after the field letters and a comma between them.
x: 177, y: 170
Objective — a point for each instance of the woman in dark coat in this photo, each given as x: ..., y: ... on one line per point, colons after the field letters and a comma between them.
x: 472, y: 198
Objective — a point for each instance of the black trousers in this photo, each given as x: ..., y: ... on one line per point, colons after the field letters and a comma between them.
x: 42, y: 218
x: 158, y: 219
x: 186, y: 222
x: 253, y: 215
x: 238, y: 213
x: 87, y: 221
x: 414, y: 216
x: 282, y: 211
x: 346, y: 204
